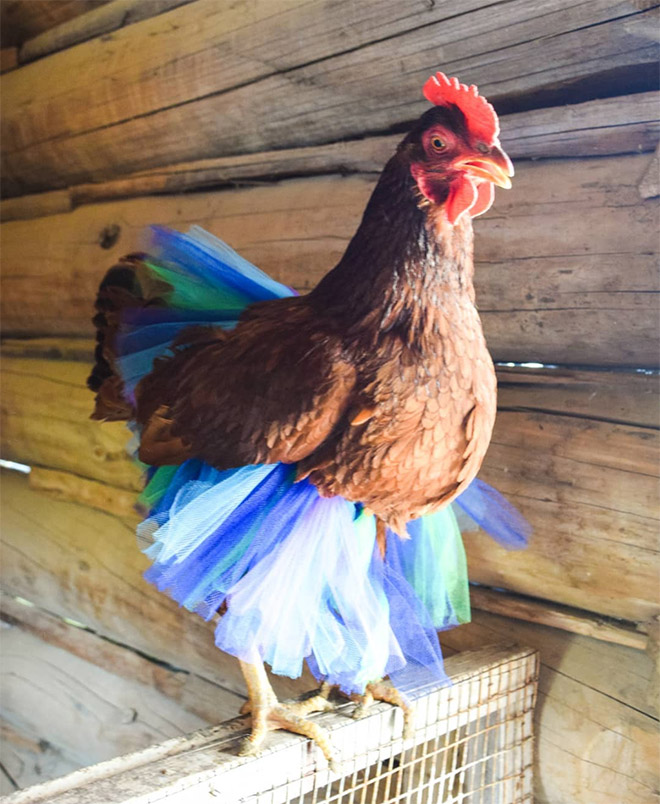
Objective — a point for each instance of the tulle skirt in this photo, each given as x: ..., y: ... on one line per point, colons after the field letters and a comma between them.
x: 298, y: 577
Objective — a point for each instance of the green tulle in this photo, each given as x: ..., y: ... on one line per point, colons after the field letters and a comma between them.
x: 157, y: 486
x: 190, y: 293
x: 435, y: 564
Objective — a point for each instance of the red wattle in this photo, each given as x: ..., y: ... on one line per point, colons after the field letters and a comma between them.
x: 485, y: 198
x: 462, y: 196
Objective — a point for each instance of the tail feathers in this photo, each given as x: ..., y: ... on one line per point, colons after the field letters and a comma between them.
x: 120, y: 289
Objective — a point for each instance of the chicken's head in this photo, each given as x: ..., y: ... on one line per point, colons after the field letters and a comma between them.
x: 454, y: 152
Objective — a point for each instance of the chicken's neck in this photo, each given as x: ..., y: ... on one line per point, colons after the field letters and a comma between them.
x: 401, y: 265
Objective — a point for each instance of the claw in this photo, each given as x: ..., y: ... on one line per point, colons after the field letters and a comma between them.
x: 381, y: 691
x: 269, y: 714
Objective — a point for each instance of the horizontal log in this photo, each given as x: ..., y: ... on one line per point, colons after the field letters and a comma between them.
x: 564, y: 618
x: 544, y: 297
x: 82, y: 564
x: 40, y: 391
x: 24, y: 19
x: 138, y: 701
x: 205, y: 68
x: 586, y: 484
x: 108, y: 17
x: 627, y: 124
x: 596, y: 736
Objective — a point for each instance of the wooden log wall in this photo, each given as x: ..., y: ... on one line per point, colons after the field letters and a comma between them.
x: 267, y: 122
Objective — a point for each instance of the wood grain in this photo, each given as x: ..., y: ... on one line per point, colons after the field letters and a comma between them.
x: 549, y: 277
x: 45, y: 687
x: 76, y: 562
x: 137, y: 106
x: 597, y: 738
x: 609, y: 126
x: 108, y: 17
x: 24, y: 19
x: 136, y: 700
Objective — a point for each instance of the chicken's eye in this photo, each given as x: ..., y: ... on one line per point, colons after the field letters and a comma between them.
x: 482, y: 148
x: 438, y: 144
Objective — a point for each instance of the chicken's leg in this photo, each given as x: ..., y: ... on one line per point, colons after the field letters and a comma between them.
x: 268, y: 713
x: 383, y: 691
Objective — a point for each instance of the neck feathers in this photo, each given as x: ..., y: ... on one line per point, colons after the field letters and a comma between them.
x: 402, y: 262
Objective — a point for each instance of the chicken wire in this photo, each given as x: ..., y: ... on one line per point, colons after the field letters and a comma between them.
x: 472, y: 743
x: 479, y: 751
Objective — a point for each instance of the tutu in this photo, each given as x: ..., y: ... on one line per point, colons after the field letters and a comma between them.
x: 300, y: 577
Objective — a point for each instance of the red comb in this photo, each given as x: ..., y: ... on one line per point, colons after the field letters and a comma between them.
x: 479, y: 114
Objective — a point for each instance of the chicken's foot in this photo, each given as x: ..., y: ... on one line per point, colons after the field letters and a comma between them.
x: 384, y: 691
x: 268, y: 713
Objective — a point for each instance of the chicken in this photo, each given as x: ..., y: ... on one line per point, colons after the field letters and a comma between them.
x: 302, y: 440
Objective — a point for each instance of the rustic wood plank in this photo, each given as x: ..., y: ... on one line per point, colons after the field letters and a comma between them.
x: 86, y: 713
x: 597, y: 738
x: 624, y: 397
x: 28, y: 760
x: 350, y: 87
x: 627, y: 124
x: 192, y: 694
x: 549, y: 277
x: 24, y: 19
x: 108, y: 17
x: 43, y: 390
x: 83, y: 564
x: 589, y: 488
x: 562, y: 617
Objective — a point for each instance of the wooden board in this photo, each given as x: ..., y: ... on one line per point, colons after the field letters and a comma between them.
x: 239, y: 84
x: 112, y: 699
x: 597, y: 736
x: 45, y: 687
x: 109, y: 17
x: 75, y: 562
x: 609, y: 126
x: 550, y: 283
x: 586, y: 482
x: 24, y: 19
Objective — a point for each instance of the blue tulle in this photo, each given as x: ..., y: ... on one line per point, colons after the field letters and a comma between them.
x: 299, y: 577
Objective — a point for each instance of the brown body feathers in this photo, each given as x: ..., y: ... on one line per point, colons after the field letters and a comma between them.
x: 378, y: 384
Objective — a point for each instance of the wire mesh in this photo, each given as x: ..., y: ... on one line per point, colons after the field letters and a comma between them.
x: 473, y: 745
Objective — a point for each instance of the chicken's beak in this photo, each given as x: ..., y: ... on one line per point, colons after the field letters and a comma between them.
x: 494, y: 166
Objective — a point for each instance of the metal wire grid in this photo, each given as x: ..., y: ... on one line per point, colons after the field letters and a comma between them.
x: 473, y: 746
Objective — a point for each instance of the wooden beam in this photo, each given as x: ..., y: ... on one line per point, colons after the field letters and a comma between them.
x: 627, y: 124
x: 108, y: 17
x: 201, y: 68
x: 25, y: 19
x: 562, y: 617
x: 79, y: 563
x: 192, y: 694
x: 543, y: 297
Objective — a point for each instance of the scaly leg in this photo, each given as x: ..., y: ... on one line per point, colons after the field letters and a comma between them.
x: 268, y: 713
x: 383, y: 691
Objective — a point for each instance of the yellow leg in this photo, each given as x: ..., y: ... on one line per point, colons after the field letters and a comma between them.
x: 269, y: 714
x: 383, y: 691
